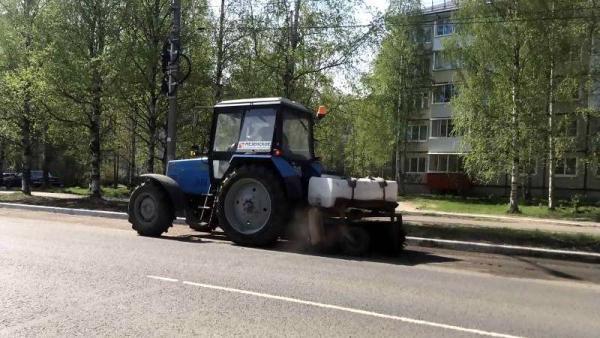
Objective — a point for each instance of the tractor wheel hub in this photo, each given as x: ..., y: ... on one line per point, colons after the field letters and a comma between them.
x: 248, y: 206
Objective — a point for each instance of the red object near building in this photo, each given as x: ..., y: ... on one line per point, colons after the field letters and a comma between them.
x: 448, y: 182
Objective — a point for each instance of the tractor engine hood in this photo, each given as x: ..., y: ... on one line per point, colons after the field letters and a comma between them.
x: 192, y: 175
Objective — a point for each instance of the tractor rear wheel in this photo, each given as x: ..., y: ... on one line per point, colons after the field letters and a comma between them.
x: 151, y: 211
x: 252, y: 206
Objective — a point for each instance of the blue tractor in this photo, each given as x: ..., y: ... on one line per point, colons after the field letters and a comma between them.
x: 259, y: 170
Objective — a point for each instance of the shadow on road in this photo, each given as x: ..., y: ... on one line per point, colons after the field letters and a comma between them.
x: 509, y: 266
x: 406, y: 257
x: 548, y: 270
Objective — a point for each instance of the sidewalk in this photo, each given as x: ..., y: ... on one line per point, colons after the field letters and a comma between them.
x: 430, y: 217
x: 60, y: 195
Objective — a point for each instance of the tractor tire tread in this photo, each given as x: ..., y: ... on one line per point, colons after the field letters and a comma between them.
x: 164, y: 220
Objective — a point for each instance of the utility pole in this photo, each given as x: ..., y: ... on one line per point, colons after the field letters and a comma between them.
x: 175, y: 50
x: 220, y: 55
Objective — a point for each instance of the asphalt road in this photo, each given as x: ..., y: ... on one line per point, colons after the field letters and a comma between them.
x: 82, y: 276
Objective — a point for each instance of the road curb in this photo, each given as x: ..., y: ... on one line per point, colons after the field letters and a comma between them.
x: 67, y: 211
x: 416, y: 241
x: 501, y: 218
x: 75, y: 212
x: 504, y: 249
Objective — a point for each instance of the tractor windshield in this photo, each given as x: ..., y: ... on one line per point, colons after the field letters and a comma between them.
x: 228, y: 131
x: 296, y: 136
x: 257, y: 131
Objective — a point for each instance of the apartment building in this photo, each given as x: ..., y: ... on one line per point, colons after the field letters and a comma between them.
x: 433, y: 160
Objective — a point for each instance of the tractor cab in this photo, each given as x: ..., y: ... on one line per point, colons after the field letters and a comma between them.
x: 259, y: 130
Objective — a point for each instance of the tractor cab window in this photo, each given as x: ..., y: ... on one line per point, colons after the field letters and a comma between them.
x: 296, y: 136
x: 257, y: 131
x: 228, y: 131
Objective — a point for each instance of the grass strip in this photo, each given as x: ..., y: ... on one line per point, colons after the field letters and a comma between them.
x: 565, y: 210
x: 79, y: 203
x: 533, y: 238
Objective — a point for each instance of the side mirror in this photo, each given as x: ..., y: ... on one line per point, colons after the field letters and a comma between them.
x: 322, y: 112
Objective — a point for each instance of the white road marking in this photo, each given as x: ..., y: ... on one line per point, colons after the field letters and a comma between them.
x: 343, y: 308
x: 164, y: 279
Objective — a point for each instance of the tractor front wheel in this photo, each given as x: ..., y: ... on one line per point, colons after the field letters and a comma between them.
x: 151, y: 211
x: 252, y: 206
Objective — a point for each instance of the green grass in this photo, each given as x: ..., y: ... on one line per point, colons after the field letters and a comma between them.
x: 534, y: 238
x: 494, y: 206
x: 120, y: 192
x: 13, y: 197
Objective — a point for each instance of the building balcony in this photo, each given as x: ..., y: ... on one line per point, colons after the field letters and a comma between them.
x: 445, y: 145
x: 437, y: 6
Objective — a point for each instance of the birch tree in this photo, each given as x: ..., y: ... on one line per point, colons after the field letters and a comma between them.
x: 400, y: 77
x: 498, y: 106
x: 83, y: 70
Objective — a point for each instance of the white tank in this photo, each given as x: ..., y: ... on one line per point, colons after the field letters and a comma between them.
x: 324, y: 191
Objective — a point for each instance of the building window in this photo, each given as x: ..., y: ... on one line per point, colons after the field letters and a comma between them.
x: 566, y: 166
x: 420, y: 100
x: 441, y: 128
x: 442, y: 61
x: 416, y: 133
x: 422, y: 35
x: 416, y: 165
x: 570, y: 127
x: 425, y: 66
x: 443, y: 93
x: 575, y: 53
x: 427, y: 33
x: 569, y: 89
x: 445, y: 163
x: 444, y: 27
x: 576, y: 94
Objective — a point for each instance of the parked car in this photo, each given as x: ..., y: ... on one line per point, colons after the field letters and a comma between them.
x: 13, y: 180
x: 10, y: 180
x: 37, y: 179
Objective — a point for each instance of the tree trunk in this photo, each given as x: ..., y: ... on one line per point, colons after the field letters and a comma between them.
x: 586, y: 151
x: 514, y: 187
x: 132, y: 153
x: 116, y: 170
x: 515, y: 98
x: 46, y: 158
x: 95, y: 136
x: 551, y: 159
x: 27, y: 110
x: 400, y: 147
x: 26, y: 148
x: 514, y: 173
x: 2, y: 156
x: 152, y: 137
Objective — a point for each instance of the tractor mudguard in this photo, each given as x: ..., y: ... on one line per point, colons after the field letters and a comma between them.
x: 171, y: 187
x: 291, y: 179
